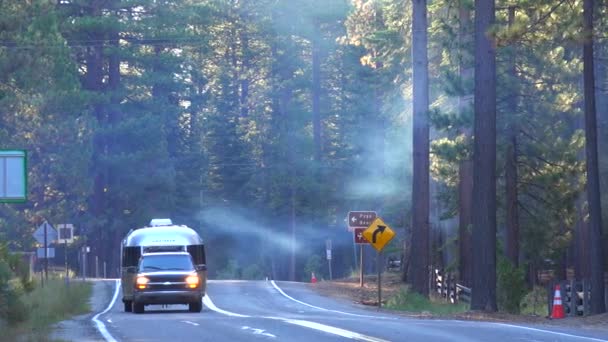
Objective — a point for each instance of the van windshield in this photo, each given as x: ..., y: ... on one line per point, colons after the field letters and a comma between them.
x: 166, y: 263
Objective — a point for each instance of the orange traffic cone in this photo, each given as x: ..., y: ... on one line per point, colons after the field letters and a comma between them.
x: 313, y: 279
x: 558, y: 308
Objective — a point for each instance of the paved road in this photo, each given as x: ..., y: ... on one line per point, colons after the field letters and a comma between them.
x: 284, y: 311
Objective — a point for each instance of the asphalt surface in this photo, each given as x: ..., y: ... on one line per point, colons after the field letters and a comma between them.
x: 284, y: 311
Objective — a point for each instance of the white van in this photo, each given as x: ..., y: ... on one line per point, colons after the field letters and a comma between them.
x: 159, y: 238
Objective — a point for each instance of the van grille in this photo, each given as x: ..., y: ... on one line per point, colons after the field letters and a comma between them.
x: 164, y: 287
x: 174, y: 278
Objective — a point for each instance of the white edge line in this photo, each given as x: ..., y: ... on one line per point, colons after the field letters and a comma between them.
x: 551, y: 332
x: 307, y: 324
x: 319, y: 308
x: 329, y: 329
x: 207, y: 301
x: 102, y: 327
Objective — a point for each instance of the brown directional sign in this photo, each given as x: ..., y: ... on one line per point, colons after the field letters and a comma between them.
x: 361, y: 219
x: 358, y: 236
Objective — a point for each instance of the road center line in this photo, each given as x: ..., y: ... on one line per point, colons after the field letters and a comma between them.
x: 191, y: 323
x: 102, y: 327
x: 550, y: 332
x: 259, y: 332
x: 320, y: 308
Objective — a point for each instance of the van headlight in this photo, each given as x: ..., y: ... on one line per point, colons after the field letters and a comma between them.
x: 141, y: 282
x: 192, y: 281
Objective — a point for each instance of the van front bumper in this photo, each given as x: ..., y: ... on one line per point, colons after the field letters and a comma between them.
x: 168, y: 297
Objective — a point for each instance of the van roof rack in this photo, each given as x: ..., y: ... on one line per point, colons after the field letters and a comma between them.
x: 161, y: 222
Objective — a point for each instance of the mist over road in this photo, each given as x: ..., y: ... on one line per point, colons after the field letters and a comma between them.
x: 286, y: 311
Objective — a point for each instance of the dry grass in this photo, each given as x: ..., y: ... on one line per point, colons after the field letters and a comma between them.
x: 394, y: 293
x: 47, y: 305
x: 350, y: 289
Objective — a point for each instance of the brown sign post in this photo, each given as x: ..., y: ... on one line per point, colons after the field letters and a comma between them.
x: 358, y: 220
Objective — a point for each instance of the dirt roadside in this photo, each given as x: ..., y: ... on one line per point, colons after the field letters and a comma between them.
x: 81, y: 328
x: 349, y: 290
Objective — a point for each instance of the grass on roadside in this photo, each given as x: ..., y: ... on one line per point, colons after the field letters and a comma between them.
x: 409, y: 301
x: 48, y: 305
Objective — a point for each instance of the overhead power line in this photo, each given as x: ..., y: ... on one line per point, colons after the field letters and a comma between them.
x: 184, y: 41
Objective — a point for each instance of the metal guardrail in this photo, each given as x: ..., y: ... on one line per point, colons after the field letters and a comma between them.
x: 447, y: 287
x: 463, y: 294
x: 576, y: 295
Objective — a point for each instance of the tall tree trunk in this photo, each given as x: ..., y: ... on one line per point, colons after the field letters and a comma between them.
x: 593, y: 184
x: 419, y: 267
x: 246, y: 64
x: 582, y: 256
x: 601, y: 94
x: 465, y: 169
x: 114, y: 78
x: 484, y: 162
x: 512, y: 243
x: 465, y: 200
x: 316, y: 90
x: 93, y: 82
x: 114, y: 116
x: 285, y: 104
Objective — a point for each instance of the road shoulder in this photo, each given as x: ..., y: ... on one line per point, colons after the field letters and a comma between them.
x: 348, y: 290
x: 81, y: 328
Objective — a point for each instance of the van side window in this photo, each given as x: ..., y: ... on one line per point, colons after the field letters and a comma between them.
x: 198, y: 254
x: 130, y: 256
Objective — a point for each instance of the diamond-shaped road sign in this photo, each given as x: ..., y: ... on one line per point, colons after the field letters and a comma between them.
x: 51, y: 233
x: 360, y: 219
x: 378, y: 234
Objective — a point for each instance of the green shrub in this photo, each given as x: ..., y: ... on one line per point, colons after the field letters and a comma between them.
x: 231, y: 271
x: 535, y: 302
x: 12, y: 309
x: 406, y: 300
x: 253, y: 272
x: 313, y: 264
x: 511, y: 286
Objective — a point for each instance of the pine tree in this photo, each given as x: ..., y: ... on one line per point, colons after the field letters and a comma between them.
x: 420, y: 182
x: 593, y: 186
x: 484, y: 161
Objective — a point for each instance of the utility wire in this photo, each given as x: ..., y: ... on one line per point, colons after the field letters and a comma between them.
x: 186, y: 41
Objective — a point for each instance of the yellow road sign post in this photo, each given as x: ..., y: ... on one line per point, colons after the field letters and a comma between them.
x: 379, y: 234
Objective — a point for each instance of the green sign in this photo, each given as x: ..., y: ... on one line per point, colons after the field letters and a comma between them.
x: 13, y: 176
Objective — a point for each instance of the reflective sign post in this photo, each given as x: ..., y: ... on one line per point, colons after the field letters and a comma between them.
x: 328, y: 250
x: 357, y: 222
x: 361, y: 266
x: 379, y: 234
x: 379, y: 279
x: 46, y: 255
